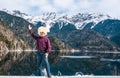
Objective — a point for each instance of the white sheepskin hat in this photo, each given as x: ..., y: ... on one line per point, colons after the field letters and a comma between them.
x: 42, y: 29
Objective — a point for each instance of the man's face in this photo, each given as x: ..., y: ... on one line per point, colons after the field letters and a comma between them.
x: 42, y: 34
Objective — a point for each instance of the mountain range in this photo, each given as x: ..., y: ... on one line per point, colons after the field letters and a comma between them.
x: 80, y: 31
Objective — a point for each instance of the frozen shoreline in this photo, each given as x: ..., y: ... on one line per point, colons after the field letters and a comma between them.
x: 85, y: 76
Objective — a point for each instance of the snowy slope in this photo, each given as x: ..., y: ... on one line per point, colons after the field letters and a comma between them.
x: 80, y: 20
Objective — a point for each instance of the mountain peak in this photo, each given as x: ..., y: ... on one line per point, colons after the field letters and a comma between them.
x: 82, y: 19
x: 18, y: 13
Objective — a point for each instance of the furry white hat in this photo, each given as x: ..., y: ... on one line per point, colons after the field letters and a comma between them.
x: 42, y: 29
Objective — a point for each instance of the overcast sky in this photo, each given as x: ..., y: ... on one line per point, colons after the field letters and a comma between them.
x: 37, y: 7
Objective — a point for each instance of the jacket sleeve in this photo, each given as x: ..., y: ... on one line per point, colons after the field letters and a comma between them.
x: 48, y: 46
x: 31, y: 33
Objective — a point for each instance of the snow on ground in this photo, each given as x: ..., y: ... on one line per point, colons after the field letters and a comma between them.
x: 86, y: 76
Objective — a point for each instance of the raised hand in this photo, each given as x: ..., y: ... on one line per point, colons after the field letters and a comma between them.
x: 30, y: 27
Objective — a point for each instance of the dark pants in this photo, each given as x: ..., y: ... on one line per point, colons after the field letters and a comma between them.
x: 41, y: 57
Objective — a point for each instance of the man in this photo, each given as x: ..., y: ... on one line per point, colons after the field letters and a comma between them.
x: 43, y: 47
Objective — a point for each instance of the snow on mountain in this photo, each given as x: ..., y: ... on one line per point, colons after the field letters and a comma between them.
x: 5, y: 10
x: 80, y: 20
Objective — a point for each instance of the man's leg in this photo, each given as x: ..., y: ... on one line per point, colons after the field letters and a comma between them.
x: 47, y: 65
x: 39, y: 63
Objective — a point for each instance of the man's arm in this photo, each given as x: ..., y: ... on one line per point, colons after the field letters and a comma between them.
x: 31, y: 33
x: 48, y: 48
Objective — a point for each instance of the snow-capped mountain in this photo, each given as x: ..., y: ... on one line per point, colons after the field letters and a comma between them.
x: 80, y: 20
x: 64, y: 27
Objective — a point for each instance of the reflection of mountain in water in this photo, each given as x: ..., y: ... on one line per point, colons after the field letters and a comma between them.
x: 88, y: 63
x: 24, y: 63
x: 20, y: 63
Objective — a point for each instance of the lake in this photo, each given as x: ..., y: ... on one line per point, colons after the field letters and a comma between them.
x: 62, y: 63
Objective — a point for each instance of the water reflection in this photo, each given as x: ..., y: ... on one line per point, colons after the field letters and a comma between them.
x: 62, y: 63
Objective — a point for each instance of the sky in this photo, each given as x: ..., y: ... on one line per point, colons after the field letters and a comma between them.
x: 38, y: 7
